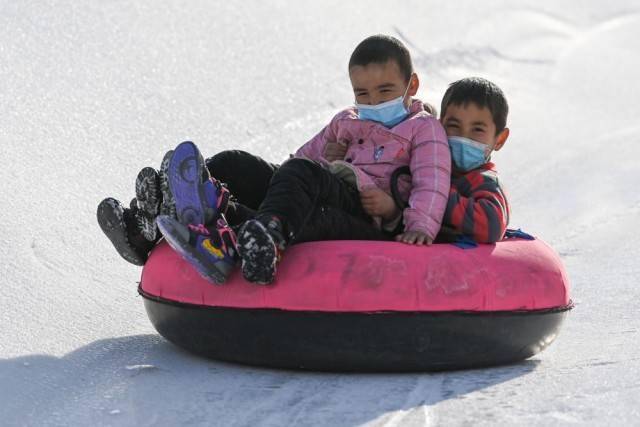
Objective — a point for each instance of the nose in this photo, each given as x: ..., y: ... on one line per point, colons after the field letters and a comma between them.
x: 375, y: 99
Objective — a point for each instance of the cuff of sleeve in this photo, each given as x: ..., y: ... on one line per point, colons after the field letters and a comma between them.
x: 417, y: 221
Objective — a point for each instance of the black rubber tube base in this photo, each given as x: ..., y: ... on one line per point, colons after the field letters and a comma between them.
x: 355, y: 342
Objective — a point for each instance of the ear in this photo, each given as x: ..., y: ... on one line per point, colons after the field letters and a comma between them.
x: 501, y: 139
x: 414, y: 84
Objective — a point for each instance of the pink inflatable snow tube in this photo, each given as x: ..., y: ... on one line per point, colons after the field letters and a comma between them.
x: 356, y: 276
x: 507, y: 299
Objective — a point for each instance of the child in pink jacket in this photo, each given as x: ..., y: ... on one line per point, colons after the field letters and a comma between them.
x: 346, y: 170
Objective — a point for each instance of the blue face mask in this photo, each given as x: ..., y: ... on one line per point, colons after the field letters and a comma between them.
x: 466, y: 153
x: 388, y: 113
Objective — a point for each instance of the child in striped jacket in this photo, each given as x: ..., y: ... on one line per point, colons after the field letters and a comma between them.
x: 474, y: 114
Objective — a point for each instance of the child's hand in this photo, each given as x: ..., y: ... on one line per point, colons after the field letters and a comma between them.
x: 417, y: 237
x: 378, y: 203
x: 335, y: 150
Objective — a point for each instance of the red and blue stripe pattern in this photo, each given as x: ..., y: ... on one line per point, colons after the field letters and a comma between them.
x: 477, y: 205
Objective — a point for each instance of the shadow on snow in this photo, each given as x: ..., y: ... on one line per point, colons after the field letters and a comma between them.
x: 144, y: 380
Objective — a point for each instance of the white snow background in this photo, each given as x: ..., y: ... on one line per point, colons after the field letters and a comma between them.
x: 92, y: 91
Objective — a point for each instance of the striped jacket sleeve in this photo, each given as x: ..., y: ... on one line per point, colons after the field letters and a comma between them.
x: 477, y: 206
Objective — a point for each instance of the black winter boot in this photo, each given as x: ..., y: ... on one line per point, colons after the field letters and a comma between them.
x: 123, y: 228
x: 261, y: 242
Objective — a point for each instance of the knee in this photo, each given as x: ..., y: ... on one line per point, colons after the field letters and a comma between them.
x: 224, y: 160
x: 298, y: 167
x: 229, y: 165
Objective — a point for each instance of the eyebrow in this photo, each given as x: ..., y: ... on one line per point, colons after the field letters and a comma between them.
x: 456, y: 121
x: 380, y: 87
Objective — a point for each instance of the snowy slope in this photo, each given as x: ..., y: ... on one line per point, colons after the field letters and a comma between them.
x: 92, y: 91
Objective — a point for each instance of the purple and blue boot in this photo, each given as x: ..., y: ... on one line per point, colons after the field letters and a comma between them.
x: 196, y: 202
x: 211, y: 250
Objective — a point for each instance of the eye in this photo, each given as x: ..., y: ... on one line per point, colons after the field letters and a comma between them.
x: 452, y: 126
x: 478, y: 130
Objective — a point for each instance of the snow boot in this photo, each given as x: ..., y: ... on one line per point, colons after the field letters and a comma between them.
x: 211, y: 250
x: 189, y: 190
x: 261, y: 242
x: 122, y: 227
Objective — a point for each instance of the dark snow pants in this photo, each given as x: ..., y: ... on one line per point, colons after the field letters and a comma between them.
x: 314, y: 204
x: 247, y: 177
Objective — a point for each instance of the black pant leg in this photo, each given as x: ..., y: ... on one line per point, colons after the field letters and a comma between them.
x: 237, y: 213
x: 300, y: 187
x: 329, y: 223
x: 246, y: 176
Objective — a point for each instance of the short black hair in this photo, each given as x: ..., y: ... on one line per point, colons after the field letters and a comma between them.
x: 379, y: 49
x: 481, y: 92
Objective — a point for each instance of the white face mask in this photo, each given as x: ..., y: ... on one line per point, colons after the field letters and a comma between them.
x: 389, y: 113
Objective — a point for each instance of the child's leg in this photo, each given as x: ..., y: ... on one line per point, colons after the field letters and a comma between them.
x: 246, y: 176
x: 133, y: 230
x: 241, y: 169
x: 329, y: 223
x: 296, y: 193
x: 237, y: 213
x: 300, y: 187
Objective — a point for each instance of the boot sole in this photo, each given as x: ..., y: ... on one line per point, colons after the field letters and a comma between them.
x: 148, y: 191
x: 184, y: 173
x: 149, y: 197
x: 111, y: 221
x: 258, y: 253
x: 168, y: 206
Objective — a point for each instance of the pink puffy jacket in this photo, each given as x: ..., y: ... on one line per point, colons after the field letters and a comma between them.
x: 375, y: 151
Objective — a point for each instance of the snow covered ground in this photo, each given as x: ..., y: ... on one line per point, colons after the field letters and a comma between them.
x: 90, y: 92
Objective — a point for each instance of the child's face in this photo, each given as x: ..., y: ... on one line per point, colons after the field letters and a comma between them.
x: 473, y: 122
x: 374, y: 83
